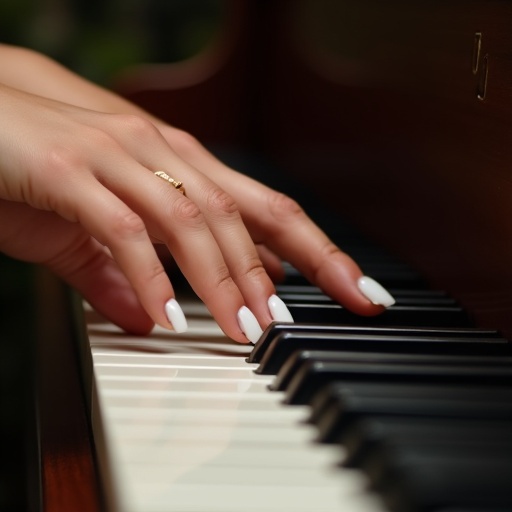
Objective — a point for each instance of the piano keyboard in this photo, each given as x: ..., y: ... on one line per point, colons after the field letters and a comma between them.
x: 410, y: 411
x: 405, y: 418
x: 183, y: 423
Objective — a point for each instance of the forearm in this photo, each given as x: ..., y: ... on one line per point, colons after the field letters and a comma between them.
x: 33, y: 72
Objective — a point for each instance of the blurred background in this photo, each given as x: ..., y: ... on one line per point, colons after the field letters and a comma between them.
x: 96, y: 38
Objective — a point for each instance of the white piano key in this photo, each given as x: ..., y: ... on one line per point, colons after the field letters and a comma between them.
x: 163, y: 384
x: 226, y: 453
x: 212, y: 416
x: 239, y: 433
x: 247, y: 498
x: 187, y: 426
x: 183, y: 360
x: 206, y: 474
x: 173, y: 371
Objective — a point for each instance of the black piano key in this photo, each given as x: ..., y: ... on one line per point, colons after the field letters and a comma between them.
x: 364, y: 435
x: 331, y: 397
x: 314, y: 375
x: 276, y: 329
x: 401, y: 300
x: 423, y: 480
x: 347, y: 406
x: 420, y: 293
x: 294, y: 362
x: 422, y: 310
x: 285, y: 344
x: 390, y: 276
x: 441, y: 316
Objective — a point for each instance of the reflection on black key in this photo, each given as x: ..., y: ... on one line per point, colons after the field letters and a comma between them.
x: 425, y: 412
x: 331, y: 399
x: 286, y: 344
x: 276, y: 329
x: 313, y: 375
x: 426, y: 480
x: 295, y: 361
x: 395, y: 275
x: 333, y: 421
x: 441, y: 316
x: 364, y: 435
x: 320, y: 298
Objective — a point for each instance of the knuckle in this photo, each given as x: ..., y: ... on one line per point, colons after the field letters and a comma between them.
x: 283, y: 207
x: 329, y: 249
x: 253, y: 268
x: 183, y: 142
x: 59, y: 161
x: 219, y: 202
x: 186, y: 212
x: 221, y: 283
x: 126, y: 225
x: 154, y: 272
x: 136, y: 125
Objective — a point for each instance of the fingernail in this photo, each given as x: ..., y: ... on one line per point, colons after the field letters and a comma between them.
x: 175, y: 316
x: 249, y: 325
x: 278, y: 309
x: 375, y: 292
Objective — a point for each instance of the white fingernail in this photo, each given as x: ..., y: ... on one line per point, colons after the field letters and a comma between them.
x: 249, y: 325
x: 375, y: 292
x: 278, y: 309
x: 175, y: 315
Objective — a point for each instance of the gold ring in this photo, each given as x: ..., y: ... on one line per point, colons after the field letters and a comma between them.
x: 178, y: 185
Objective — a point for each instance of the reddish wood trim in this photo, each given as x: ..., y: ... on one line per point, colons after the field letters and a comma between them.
x: 68, y: 471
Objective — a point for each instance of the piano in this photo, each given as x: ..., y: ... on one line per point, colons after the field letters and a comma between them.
x: 406, y: 103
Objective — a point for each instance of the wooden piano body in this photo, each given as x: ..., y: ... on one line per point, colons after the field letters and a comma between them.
x: 395, y: 114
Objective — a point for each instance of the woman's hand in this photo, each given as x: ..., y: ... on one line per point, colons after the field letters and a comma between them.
x: 97, y: 170
x: 79, y: 194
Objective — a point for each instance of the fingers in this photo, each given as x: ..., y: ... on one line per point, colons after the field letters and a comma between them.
x: 203, y: 230
x: 278, y: 222
x: 113, y: 224
x: 288, y: 231
x: 207, y: 240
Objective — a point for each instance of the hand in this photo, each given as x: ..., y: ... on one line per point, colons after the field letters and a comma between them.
x: 84, y: 181
x: 281, y: 231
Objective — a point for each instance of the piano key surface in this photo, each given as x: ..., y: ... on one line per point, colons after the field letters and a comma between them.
x: 183, y: 423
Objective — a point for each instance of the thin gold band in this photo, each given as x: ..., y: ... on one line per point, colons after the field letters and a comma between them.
x: 178, y: 185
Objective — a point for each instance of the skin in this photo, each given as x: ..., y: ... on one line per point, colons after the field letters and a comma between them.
x: 78, y: 194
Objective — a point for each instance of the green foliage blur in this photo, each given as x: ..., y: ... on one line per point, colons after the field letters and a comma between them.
x: 98, y: 38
